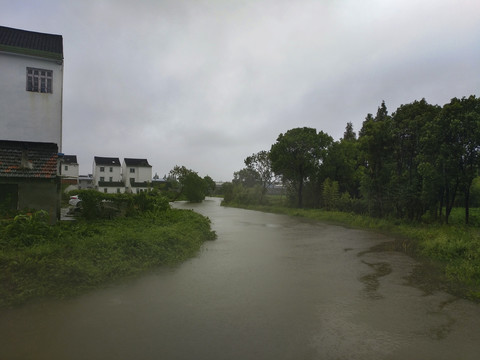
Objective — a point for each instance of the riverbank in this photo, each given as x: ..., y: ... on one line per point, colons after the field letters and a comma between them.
x: 452, y: 250
x: 41, y: 261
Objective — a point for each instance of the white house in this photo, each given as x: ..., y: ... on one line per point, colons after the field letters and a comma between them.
x: 31, y: 74
x: 137, y: 175
x: 107, y: 175
x: 69, y: 172
x: 31, y: 78
x: 70, y: 166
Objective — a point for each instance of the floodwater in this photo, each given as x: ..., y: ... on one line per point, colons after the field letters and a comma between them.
x: 270, y: 287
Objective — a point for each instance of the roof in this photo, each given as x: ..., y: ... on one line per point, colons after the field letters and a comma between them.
x: 107, y: 161
x: 137, y: 162
x: 70, y: 159
x: 21, y: 159
x: 31, y: 43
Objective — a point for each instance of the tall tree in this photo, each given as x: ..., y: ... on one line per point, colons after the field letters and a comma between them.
x: 342, y: 163
x: 408, y: 125
x: 260, y: 163
x: 296, y: 156
x: 458, y: 132
x: 376, y: 141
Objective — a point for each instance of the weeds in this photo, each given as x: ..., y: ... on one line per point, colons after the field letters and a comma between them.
x: 38, y: 260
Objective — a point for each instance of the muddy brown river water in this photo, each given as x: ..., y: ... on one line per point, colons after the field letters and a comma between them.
x: 270, y: 287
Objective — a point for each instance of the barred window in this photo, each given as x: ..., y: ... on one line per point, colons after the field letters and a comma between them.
x: 39, y: 80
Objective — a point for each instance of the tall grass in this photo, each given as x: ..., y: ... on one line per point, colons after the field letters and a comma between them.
x: 73, y: 257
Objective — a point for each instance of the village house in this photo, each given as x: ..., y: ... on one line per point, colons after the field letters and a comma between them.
x: 137, y: 175
x: 107, y: 175
x: 31, y: 74
x: 69, y: 171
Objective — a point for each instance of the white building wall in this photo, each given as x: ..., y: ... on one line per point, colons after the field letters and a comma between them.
x: 141, y: 174
x: 71, y: 171
x: 115, y: 172
x: 26, y: 115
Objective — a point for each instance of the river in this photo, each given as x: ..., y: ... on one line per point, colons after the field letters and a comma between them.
x: 270, y: 287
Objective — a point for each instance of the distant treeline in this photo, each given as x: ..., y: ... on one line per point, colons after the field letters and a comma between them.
x: 418, y: 162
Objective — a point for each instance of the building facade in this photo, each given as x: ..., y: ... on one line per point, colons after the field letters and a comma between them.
x: 31, y: 94
x: 31, y: 74
x: 107, y: 175
x: 137, y: 175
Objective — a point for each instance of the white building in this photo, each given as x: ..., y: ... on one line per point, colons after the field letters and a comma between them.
x: 107, y: 175
x: 31, y: 91
x: 137, y: 175
x: 70, y: 166
x: 69, y: 172
x: 31, y: 78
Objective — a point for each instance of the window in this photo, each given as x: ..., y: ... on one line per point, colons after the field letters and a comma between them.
x: 102, y: 169
x: 132, y: 170
x: 102, y: 178
x: 111, y: 169
x: 39, y: 80
x: 110, y: 179
x: 118, y: 191
x: 66, y: 167
x: 132, y: 181
x: 105, y: 190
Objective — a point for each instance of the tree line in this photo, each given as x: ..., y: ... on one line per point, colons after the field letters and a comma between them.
x: 421, y: 160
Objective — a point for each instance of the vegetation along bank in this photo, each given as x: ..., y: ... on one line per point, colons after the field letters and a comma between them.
x: 38, y: 260
x: 414, y: 172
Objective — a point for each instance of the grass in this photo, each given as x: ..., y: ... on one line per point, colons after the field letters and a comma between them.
x: 38, y: 261
x: 453, y: 249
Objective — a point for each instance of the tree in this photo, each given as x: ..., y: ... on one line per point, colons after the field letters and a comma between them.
x: 247, y: 177
x: 457, y: 131
x: 210, y: 185
x: 261, y: 165
x: 342, y: 163
x: 190, y: 184
x: 376, y: 141
x: 408, y: 126
x: 297, y: 155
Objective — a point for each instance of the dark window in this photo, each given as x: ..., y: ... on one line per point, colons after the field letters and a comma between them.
x: 39, y: 80
x: 102, y: 169
x: 102, y: 178
x: 111, y: 169
x: 132, y: 170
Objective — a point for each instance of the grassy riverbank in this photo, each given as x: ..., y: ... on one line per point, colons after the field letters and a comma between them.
x: 39, y: 261
x: 453, y: 249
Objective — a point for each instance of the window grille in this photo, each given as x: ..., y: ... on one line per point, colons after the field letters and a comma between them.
x: 39, y: 80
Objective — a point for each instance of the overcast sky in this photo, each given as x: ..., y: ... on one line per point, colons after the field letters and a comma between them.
x: 206, y: 83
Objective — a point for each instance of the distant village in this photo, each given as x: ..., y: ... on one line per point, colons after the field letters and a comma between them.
x: 33, y: 167
x: 109, y: 175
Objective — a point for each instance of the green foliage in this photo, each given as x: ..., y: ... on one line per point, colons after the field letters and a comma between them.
x: 237, y: 193
x: 330, y: 195
x: 189, y: 185
x: 38, y: 260
x: 296, y: 156
x: 97, y: 205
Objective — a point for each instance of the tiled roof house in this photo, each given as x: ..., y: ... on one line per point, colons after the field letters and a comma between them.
x: 107, y: 175
x: 137, y: 175
x: 31, y: 74
x: 28, y: 176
